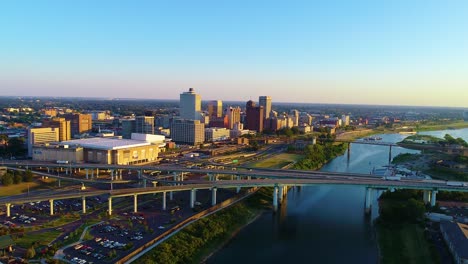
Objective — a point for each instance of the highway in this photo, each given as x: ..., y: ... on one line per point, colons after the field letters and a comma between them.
x: 375, y: 183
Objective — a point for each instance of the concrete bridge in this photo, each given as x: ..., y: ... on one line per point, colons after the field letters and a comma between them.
x: 280, y: 180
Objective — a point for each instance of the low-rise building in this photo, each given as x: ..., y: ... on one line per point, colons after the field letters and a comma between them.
x: 456, y: 237
x: 216, y: 134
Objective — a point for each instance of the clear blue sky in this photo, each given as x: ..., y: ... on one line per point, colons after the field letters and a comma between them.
x: 411, y: 52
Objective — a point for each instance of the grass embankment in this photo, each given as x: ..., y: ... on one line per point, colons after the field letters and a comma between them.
x: 400, y: 229
x: 352, y: 135
x: 278, y: 161
x: 405, y: 157
x: 448, y: 174
x: 441, y: 126
x: 19, y: 188
x: 38, y: 238
x: 194, y: 243
x: 406, y: 244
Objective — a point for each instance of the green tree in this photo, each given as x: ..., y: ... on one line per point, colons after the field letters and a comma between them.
x: 7, y: 179
x: 17, y: 179
x: 28, y: 176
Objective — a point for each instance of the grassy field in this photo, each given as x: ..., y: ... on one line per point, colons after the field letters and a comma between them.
x: 406, y: 244
x: 352, y: 135
x: 429, y: 127
x: 16, y: 189
x: 277, y: 161
x: 43, y: 238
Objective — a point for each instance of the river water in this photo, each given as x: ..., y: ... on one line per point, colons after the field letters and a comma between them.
x: 323, y: 224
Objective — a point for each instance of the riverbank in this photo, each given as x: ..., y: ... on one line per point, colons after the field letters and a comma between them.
x: 203, y: 238
x: 401, y: 231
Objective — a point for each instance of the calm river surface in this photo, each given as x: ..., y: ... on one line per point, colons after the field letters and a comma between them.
x: 323, y: 224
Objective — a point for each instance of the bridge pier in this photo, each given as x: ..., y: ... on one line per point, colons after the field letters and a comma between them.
x: 349, y: 151
x: 171, y: 196
x: 275, y: 198
x: 192, y: 198
x: 433, y: 198
x: 51, y: 204
x: 144, y: 183
x: 8, y: 208
x: 135, y: 203
x: 390, y: 155
x: 48, y: 170
x: 83, y: 204
x: 97, y: 173
x: 110, y: 205
x: 213, y: 196
x: 59, y: 183
x: 164, y: 201
x: 139, y: 174
x: 427, y: 197
x: 368, y: 202
x: 280, y: 194
x: 87, y: 173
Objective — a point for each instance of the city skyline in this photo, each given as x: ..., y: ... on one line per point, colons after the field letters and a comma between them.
x: 363, y: 52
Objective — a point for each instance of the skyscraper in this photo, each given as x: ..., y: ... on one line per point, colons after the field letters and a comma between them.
x: 265, y: 101
x: 190, y: 105
x: 233, y: 115
x: 215, y: 108
x: 254, y: 117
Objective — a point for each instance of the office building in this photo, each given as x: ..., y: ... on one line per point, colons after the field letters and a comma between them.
x: 345, y: 120
x: 294, y: 114
x: 191, y: 132
x: 190, y: 105
x: 128, y: 127
x: 144, y: 124
x: 265, y: 101
x: 305, y: 118
x: 254, y: 117
x: 62, y: 124
x: 215, y: 108
x: 41, y: 135
x: 233, y: 116
x: 213, y: 134
x: 79, y: 123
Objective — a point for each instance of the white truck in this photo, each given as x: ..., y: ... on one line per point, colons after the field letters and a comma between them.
x: 392, y: 178
x: 457, y: 184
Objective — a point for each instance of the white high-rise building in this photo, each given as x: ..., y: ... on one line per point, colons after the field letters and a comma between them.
x: 185, y: 131
x: 190, y: 105
x: 265, y: 101
x: 345, y: 120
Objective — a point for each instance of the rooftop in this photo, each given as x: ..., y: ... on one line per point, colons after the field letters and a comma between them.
x: 106, y: 143
x: 457, y: 235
